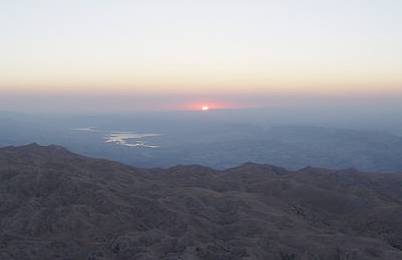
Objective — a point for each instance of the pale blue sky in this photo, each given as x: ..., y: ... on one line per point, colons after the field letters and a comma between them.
x: 201, y: 47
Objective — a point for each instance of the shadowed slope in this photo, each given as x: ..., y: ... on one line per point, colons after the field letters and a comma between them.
x: 58, y: 205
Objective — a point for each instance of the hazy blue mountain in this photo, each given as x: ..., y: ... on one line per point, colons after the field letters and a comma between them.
x: 219, y: 139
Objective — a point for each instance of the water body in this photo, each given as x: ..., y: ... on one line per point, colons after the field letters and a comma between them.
x: 130, y: 139
x: 125, y: 138
x: 86, y: 129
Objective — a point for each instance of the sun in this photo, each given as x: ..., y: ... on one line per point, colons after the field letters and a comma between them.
x: 205, y: 108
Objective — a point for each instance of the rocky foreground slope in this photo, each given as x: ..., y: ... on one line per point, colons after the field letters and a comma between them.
x: 58, y: 205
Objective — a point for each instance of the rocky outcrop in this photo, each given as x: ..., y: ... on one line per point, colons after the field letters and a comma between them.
x: 58, y: 205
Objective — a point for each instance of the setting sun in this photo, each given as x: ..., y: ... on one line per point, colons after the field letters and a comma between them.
x: 205, y: 108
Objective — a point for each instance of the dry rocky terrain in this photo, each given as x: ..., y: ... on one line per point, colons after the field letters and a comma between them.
x: 58, y: 205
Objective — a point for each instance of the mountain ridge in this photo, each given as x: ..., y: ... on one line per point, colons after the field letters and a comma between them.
x: 55, y: 204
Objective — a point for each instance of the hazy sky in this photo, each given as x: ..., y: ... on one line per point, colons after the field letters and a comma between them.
x: 221, y: 50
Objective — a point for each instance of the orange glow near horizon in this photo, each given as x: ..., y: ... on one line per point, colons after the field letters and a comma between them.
x: 252, y: 48
x: 207, y: 106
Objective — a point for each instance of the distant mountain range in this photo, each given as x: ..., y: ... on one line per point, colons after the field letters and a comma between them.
x: 55, y: 204
x: 211, y: 139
